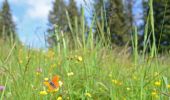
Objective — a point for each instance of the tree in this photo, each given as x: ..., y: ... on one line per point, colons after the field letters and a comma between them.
x: 118, y: 19
x: 161, y: 10
x: 118, y: 23
x: 7, y: 26
x: 162, y: 23
x: 58, y: 17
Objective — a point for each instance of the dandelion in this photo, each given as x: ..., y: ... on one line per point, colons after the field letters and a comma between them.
x: 59, y: 98
x: 157, y: 83
x: 88, y: 95
x: 70, y: 74
x: 43, y: 93
x: 2, y: 88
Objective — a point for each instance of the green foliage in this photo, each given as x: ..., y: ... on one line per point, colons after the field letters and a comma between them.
x: 7, y: 26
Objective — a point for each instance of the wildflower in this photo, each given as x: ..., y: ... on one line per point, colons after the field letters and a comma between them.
x: 60, y: 83
x: 154, y: 93
x: 46, y: 79
x: 168, y: 86
x: 70, y: 74
x: 79, y: 58
x: 115, y: 81
x: 157, y: 83
x: 88, y: 95
x: 2, y: 88
x: 38, y: 71
x: 59, y: 98
x: 128, y: 89
x: 43, y: 93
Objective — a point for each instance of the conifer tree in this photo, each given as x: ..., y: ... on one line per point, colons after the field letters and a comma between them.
x: 118, y: 19
x: 7, y: 26
x: 162, y: 23
x: 58, y: 17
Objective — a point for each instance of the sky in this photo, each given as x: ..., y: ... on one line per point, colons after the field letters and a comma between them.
x: 31, y: 18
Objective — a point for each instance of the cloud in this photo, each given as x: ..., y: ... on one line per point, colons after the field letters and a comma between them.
x: 38, y: 9
x: 15, y: 19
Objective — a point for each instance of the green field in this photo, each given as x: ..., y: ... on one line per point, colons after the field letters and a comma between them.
x: 88, y: 67
x: 88, y: 74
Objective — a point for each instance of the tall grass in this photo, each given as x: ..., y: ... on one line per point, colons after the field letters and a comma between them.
x: 92, y: 70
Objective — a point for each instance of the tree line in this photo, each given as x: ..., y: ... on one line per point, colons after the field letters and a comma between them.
x: 117, y: 15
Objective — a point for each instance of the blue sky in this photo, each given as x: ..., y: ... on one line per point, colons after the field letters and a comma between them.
x: 31, y: 18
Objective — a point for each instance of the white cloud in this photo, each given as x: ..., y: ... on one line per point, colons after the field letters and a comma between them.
x: 38, y: 9
x: 15, y: 19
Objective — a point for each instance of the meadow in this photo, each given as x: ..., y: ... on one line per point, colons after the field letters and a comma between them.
x: 87, y: 74
x: 92, y: 70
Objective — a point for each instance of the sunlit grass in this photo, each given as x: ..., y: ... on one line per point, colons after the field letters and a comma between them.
x: 92, y: 70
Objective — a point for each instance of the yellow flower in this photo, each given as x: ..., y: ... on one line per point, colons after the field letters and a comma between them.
x: 154, y: 93
x: 157, y: 83
x: 88, y: 95
x: 168, y: 86
x: 79, y: 58
x: 128, y: 89
x: 37, y: 73
x: 46, y: 79
x: 59, y: 98
x: 115, y: 81
x: 70, y: 74
x: 43, y: 93
x: 60, y: 83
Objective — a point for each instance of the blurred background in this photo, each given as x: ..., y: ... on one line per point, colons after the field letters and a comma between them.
x: 32, y: 21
